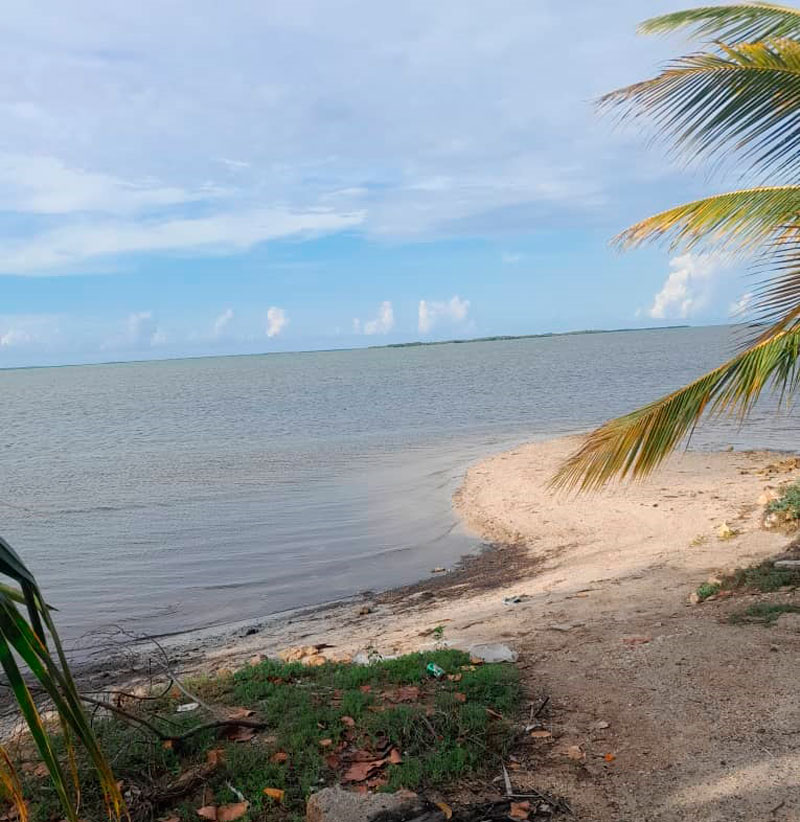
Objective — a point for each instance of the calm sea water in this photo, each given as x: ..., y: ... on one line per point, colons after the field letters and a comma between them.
x: 168, y: 496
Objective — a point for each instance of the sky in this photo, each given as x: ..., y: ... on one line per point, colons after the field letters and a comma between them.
x: 194, y: 178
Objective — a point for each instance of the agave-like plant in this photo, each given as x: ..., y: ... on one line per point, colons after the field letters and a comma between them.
x: 737, y: 99
x: 25, y: 634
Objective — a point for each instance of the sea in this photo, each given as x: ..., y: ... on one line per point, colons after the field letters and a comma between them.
x: 169, y: 496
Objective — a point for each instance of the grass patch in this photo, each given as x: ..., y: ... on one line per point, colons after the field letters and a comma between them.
x: 320, y: 722
x: 764, y: 577
x: 708, y: 589
x: 764, y: 613
x: 788, y: 503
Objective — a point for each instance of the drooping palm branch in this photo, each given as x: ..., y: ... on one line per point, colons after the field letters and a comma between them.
x: 24, y: 639
x: 744, y: 97
x: 734, y: 221
x: 734, y: 23
x: 634, y: 445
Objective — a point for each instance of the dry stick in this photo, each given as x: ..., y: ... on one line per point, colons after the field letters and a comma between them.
x: 544, y: 704
x: 138, y: 720
x: 207, y: 726
x: 178, y: 684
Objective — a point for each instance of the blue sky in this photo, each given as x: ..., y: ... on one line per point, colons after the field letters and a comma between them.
x: 199, y: 178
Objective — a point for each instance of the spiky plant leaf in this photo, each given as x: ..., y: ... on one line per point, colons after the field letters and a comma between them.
x: 25, y: 639
x: 732, y: 23
x: 745, y: 97
x: 734, y: 221
x: 634, y: 445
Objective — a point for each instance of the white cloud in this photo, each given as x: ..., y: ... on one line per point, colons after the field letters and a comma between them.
x: 440, y: 133
x: 29, y: 331
x: 230, y: 232
x: 383, y: 323
x: 46, y: 185
x: 234, y: 165
x: 688, y: 286
x: 143, y: 330
x: 454, y: 310
x: 14, y: 337
x: 222, y: 322
x: 356, y: 325
x: 511, y: 258
x: 277, y: 320
x: 739, y: 307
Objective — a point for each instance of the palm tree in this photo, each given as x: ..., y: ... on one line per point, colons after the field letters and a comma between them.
x: 738, y: 99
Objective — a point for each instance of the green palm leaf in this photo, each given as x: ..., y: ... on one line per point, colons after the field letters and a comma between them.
x: 634, y: 445
x: 736, y: 220
x: 746, y: 97
x: 734, y: 23
x: 25, y: 640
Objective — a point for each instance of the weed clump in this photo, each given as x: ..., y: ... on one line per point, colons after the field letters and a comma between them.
x: 788, y: 503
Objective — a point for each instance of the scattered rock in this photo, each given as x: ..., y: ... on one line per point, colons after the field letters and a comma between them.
x: 337, y: 805
x: 364, y: 610
x: 493, y: 652
x: 726, y: 532
x: 694, y: 598
x: 600, y: 726
x: 297, y: 653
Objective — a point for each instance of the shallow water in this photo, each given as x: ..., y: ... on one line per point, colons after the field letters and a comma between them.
x: 168, y: 496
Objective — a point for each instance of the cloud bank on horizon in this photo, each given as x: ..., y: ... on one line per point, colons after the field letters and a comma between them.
x: 217, y: 162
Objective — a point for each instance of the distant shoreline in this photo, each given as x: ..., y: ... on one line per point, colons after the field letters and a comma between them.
x: 506, y: 337
x: 412, y: 344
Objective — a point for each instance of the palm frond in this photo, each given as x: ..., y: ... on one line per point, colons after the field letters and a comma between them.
x: 635, y: 444
x: 732, y: 23
x: 734, y: 221
x: 775, y: 301
x: 745, y: 97
x: 23, y: 639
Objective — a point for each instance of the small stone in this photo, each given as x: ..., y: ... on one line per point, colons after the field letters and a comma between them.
x: 438, y: 570
x: 694, y: 598
x: 337, y: 805
x: 774, y: 649
x: 787, y: 563
x: 601, y: 725
x: 364, y: 610
x: 561, y: 626
x: 493, y: 652
x: 726, y: 532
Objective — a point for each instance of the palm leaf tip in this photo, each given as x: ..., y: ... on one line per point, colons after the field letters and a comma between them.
x: 733, y: 23
x: 634, y: 445
x: 734, y: 221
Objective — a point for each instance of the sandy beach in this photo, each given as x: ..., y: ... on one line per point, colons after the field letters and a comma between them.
x: 677, y: 713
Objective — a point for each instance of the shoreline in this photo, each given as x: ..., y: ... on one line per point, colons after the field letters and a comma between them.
x: 512, y: 554
x: 651, y: 713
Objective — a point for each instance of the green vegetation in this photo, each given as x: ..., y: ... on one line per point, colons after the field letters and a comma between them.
x: 735, y: 102
x: 507, y: 337
x: 788, y: 503
x: 388, y: 725
x: 762, y: 578
x: 24, y: 640
x: 764, y: 613
x: 708, y: 589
